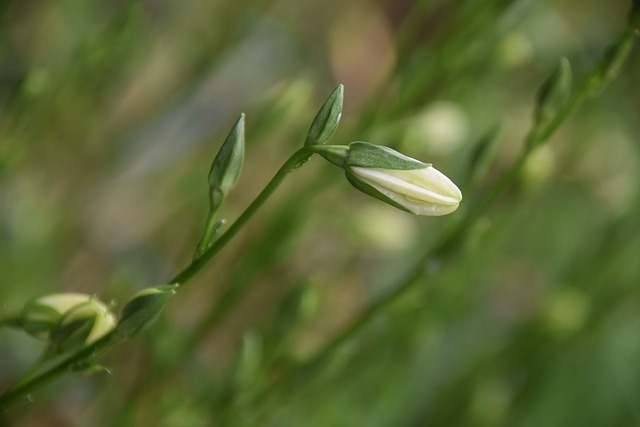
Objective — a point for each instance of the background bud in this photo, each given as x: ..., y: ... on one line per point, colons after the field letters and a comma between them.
x: 615, y: 59
x: 553, y: 94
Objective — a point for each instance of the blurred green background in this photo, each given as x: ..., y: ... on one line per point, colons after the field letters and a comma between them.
x: 111, y: 112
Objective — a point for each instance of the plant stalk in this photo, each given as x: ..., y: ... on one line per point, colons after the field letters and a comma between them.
x: 19, y: 392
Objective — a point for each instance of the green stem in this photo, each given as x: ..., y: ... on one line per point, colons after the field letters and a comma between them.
x: 19, y: 391
x: 210, y: 230
x: 446, y: 243
x: 234, y: 294
x: 262, y: 253
x: 44, y: 355
x: 593, y: 84
x: 292, y: 163
x: 11, y: 320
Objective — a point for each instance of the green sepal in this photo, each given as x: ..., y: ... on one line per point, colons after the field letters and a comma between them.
x: 366, y: 155
x: 143, y: 309
x: 226, y: 167
x: 371, y: 191
x: 336, y: 154
x: 326, y: 122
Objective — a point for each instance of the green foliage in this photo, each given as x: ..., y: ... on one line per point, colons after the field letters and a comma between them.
x: 519, y: 309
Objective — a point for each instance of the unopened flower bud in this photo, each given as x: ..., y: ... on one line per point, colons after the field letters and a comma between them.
x: 143, y: 309
x: 226, y: 167
x: 396, y: 179
x: 83, y: 324
x: 40, y: 315
x: 326, y: 122
x: 223, y: 177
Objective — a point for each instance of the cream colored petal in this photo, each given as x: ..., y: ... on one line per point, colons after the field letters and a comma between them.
x: 64, y: 301
x: 422, y: 191
x: 104, y: 323
x: 420, y: 185
x: 429, y: 178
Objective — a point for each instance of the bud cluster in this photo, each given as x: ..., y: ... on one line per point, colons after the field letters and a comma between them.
x: 67, y: 320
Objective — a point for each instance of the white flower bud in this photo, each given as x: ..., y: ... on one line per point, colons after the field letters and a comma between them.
x: 40, y: 315
x: 83, y: 324
x: 424, y: 191
x: 390, y: 176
